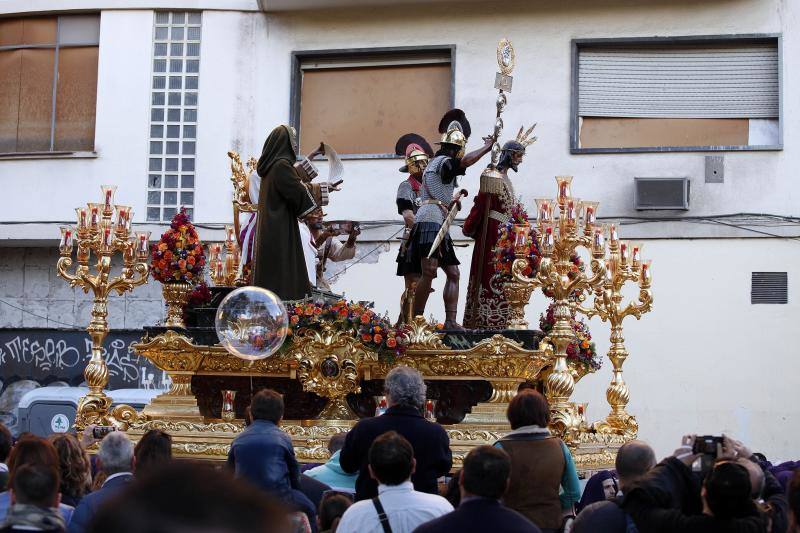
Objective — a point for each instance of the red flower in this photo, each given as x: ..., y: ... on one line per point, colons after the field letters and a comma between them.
x: 295, y: 319
x: 391, y: 342
x: 377, y: 338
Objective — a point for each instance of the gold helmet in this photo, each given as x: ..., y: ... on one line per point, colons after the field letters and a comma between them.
x: 455, y: 130
x: 416, y: 151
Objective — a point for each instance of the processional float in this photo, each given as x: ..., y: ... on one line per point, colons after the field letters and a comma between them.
x: 331, y: 366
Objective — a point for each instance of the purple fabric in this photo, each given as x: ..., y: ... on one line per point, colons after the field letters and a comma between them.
x: 594, y: 489
x: 784, y: 478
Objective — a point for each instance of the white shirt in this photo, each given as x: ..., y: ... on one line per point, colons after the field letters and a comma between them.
x: 406, y: 509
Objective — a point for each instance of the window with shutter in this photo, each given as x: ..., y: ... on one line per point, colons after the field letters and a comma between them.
x: 679, y: 94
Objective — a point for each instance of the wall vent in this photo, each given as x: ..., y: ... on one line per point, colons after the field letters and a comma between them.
x: 769, y: 288
x: 661, y: 193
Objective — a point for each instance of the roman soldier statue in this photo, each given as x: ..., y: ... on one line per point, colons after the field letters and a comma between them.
x: 430, y: 246
x: 487, y: 307
x: 417, y: 153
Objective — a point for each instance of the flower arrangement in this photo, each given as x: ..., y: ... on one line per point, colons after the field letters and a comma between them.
x: 178, y: 255
x: 505, y: 251
x: 375, y: 331
x: 583, y: 350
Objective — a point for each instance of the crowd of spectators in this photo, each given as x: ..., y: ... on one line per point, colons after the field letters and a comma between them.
x: 389, y: 474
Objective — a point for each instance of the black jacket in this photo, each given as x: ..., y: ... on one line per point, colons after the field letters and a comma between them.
x: 480, y: 515
x: 668, y: 500
x: 429, y: 440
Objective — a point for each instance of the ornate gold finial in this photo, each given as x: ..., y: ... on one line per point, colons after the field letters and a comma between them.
x: 524, y: 138
x: 505, y: 57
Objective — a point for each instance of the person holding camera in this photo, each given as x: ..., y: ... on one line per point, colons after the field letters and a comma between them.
x: 673, y: 498
x: 328, y: 246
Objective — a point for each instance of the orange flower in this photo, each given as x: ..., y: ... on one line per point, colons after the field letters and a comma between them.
x: 162, y: 246
x: 182, y: 264
x: 189, y: 275
x: 391, y: 342
x: 377, y: 338
x: 295, y: 319
x: 317, y: 311
x: 377, y: 329
x: 365, y: 317
x: 343, y: 312
x: 366, y: 337
x: 167, y: 255
x: 585, y: 345
x: 309, y: 311
x: 191, y: 260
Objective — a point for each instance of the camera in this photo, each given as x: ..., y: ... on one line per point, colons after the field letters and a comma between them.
x: 101, y: 431
x: 706, y: 444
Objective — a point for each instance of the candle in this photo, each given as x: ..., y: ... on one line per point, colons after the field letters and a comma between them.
x: 623, y: 252
x: 590, y: 212
x: 218, y: 274
x: 613, y: 237
x: 82, y: 217
x: 66, y: 244
x: 94, y: 215
x: 571, y: 214
x: 547, y: 240
x: 230, y: 236
x: 521, y: 232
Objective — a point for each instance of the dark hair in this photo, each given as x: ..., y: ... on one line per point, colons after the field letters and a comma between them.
x: 728, y: 491
x: 153, y: 451
x: 453, y: 491
x: 190, y: 496
x: 30, y: 450
x: 634, y: 459
x: 391, y: 458
x: 36, y: 484
x: 485, y: 473
x: 528, y: 408
x: 267, y: 405
x: 73, y: 464
x: 331, y: 509
x: 6, y: 441
x: 336, y: 442
x: 793, y: 494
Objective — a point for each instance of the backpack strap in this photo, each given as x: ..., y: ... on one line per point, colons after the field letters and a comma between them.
x: 382, y: 515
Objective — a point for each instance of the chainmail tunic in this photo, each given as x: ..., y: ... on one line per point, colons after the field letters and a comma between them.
x: 406, y: 192
x: 433, y: 188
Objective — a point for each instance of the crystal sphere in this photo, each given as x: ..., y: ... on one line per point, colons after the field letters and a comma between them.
x: 252, y: 323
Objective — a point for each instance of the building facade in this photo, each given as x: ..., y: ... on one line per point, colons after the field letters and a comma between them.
x: 151, y: 94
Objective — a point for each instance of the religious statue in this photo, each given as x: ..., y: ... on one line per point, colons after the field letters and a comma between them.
x: 283, y: 199
x: 327, y: 246
x: 487, y: 307
x: 430, y: 246
x: 417, y: 153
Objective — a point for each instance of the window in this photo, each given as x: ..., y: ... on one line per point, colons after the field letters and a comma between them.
x: 48, y: 83
x: 361, y: 101
x: 173, y: 115
x: 676, y: 94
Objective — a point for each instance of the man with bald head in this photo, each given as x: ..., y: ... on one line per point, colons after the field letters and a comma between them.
x: 634, y: 460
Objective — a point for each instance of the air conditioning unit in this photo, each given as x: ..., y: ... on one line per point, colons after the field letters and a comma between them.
x: 661, y: 193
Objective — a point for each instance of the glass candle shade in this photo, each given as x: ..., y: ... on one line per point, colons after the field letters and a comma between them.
x: 599, y: 241
x: 613, y: 237
x: 214, y: 250
x: 564, y: 190
x: 647, y: 273
x: 67, y: 242
x: 544, y: 209
x: 230, y: 236
x: 589, y: 212
x: 636, y: 254
x: 95, y: 213
x: 623, y: 252
x: 609, y: 271
x: 142, y: 244
x: 218, y: 273
x: 521, y: 237
x: 124, y: 214
x: 83, y: 218
x: 106, y: 235
x: 572, y: 210
x: 548, y: 239
x: 108, y: 198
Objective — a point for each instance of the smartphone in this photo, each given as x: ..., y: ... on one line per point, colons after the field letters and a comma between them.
x: 101, y: 431
x: 706, y: 444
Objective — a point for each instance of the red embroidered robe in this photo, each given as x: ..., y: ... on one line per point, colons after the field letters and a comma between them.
x: 487, y: 307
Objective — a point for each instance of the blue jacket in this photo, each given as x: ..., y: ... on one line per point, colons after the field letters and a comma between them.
x: 429, y: 440
x: 480, y: 515
x: 90, y: 503
x: 5, y: 503
x: 263, y: 455
x: 331, y: 474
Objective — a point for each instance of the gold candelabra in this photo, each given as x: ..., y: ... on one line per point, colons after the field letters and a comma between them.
x: 559, y: 240
x: 103, y: 234
x: 624, y: 264
x: 225, y: 271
